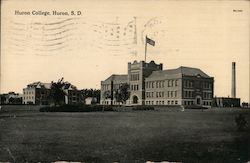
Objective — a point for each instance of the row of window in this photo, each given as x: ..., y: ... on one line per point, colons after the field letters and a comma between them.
x: 134, y: 77
x: 105, y: 102
x: 170, y: 94
x: 207, y: 85
x: 109, y: 102
x: 192, y: 103
x: 188, y: 102
x: 134, y: 87
x: 207, y: 103
x: 106, y: 86
x: 190, y: 84
x: 207, y: 95
x: 28, y: 92
x: 28, y: 97
x: 169, y: 102
x: 157, y: 94
x: 188, y: 94
x: 160, y: 84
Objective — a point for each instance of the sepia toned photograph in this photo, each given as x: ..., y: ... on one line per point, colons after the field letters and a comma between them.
x: 122, y: 81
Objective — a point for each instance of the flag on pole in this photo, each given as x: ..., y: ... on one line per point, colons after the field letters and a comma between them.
x: 151, y: 42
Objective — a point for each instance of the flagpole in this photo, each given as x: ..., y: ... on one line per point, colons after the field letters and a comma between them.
x: 145, y: 48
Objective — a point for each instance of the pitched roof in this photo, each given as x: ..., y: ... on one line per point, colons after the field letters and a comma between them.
x: 40, y: 85
x: 117, y: 77
x: 189, y: 71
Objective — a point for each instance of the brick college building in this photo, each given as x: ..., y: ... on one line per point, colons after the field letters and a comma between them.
x: 39, y: 93
x: 150, y: 85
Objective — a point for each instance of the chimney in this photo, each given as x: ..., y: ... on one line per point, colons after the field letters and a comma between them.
x: 233, y: 89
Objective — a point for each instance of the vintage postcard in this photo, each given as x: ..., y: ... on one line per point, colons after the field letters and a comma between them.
x: 124, y: 81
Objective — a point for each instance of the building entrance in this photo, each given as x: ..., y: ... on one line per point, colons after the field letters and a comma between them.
x: 198, y: 100
x: 135, y: 99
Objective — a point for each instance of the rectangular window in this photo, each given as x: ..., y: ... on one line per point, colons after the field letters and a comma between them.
x: 191, y: 84
x: 134, y: 77
x: 176, y: 82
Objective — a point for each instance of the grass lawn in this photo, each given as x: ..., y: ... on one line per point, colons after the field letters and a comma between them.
x: 138, y: 136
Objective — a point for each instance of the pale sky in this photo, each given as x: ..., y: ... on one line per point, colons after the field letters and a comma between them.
x: 88, y: 48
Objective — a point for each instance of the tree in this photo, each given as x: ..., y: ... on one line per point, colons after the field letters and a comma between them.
x: 57, y: 92
x: 122, y: 94
x: 107, y: 94
x: 2, y: 99
x: 95, y: 93
x: 245, y: 104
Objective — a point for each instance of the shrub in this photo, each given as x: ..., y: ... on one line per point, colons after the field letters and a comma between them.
x: 195, y: 107
x: 141, y: 107
x: 77, y: 108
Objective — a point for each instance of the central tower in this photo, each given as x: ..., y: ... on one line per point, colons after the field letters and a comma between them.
x: 137, y: 72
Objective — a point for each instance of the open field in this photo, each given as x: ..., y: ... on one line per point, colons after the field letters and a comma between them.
x: 138, y: 136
